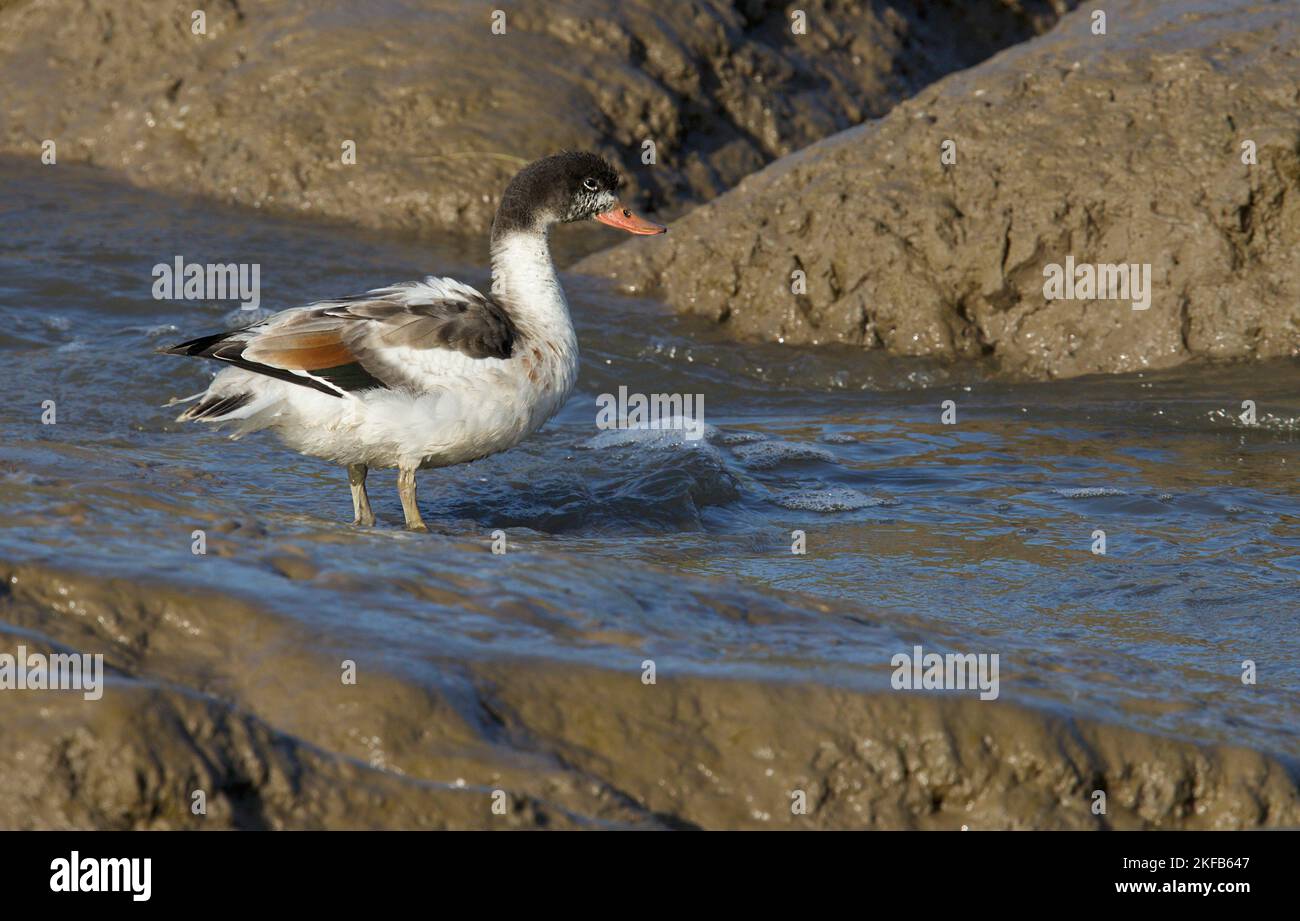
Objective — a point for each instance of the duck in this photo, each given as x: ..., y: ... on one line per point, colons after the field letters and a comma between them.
x: 422, y: 374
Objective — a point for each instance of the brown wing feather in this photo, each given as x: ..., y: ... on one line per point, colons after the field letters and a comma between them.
x: 301, y: 352
x: 341, y: 343
x: 479, y: 328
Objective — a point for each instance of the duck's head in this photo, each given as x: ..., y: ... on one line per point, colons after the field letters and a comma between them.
x: 566, y: 187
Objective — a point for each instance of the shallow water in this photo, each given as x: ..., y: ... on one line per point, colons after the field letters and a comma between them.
x: 973, y: 537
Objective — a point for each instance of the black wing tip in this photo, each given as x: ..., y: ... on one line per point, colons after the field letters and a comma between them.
x: 194, y: 346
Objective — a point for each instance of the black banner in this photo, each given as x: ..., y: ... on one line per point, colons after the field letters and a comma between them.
x: 331, y: 870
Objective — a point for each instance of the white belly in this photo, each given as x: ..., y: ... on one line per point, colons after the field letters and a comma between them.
x: 480, y: 408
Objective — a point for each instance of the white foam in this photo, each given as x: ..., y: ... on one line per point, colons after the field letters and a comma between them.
x: 764, y: 455
x: 1090, y: 492
x: 833, y: 499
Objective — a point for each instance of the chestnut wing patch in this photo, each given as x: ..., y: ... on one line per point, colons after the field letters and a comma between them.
x: 300, y: 350
x: 344, y: 346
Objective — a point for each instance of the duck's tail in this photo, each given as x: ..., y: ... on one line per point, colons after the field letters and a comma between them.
x: 217, y: 407
x: 234, y: 396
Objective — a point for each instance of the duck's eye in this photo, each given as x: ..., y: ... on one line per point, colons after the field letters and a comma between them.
x: 589, y: 184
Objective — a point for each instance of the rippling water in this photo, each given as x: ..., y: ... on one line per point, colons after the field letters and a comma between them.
x: 975, y: 537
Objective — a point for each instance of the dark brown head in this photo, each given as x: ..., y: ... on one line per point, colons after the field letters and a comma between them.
x: 566, y: 187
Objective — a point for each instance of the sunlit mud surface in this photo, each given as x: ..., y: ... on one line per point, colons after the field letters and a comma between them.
x: 621, y: 546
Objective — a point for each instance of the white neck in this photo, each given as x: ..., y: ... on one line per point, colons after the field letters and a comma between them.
x: 524, y: 279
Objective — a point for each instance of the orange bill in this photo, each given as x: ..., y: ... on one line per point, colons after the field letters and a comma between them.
x: 624, y: 218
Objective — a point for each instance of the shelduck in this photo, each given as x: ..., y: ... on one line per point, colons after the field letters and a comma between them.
x: 425, y: 373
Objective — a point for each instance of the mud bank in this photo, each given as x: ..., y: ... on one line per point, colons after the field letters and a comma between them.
x: 1118, y: 148
x: 215, y: 695
x: 442, y: 109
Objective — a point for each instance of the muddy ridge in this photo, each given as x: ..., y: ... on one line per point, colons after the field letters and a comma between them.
x: 212, y: 695
x: 443, y: 110
x: 1104, y: 149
